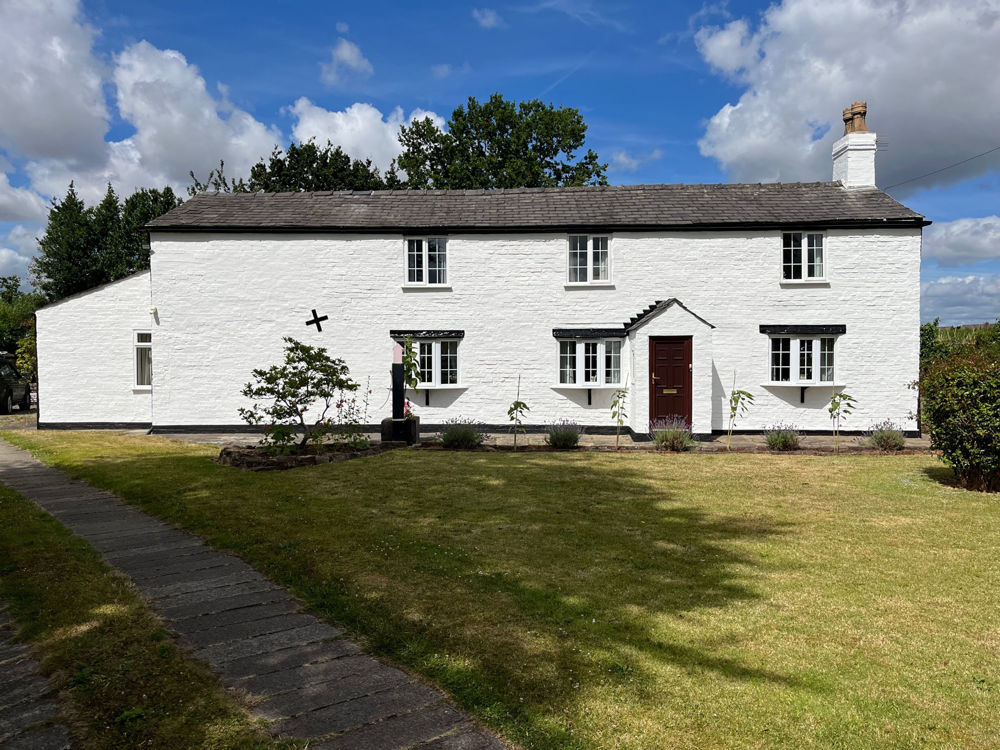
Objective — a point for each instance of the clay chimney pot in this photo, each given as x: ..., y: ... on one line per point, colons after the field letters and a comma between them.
x: 854, y: 118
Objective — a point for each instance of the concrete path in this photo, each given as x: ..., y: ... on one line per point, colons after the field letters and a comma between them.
x: 28, y: 708
x: 295, y: 669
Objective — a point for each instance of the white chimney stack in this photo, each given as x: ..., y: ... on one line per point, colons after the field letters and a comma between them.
x: 854, y: 154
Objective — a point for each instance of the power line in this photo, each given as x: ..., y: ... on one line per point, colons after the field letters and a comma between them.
x: 956, y: 164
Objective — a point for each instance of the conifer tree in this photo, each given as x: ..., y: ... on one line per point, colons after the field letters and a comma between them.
x: 67, y: 260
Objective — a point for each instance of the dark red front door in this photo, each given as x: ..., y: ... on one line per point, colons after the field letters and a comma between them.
x: 670, y: 378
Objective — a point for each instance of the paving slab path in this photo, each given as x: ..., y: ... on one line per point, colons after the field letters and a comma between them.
x: 296, y: 670
x: 28, y: 707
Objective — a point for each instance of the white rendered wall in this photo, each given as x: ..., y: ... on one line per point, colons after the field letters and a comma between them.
x: 86, y: 356
x: 854, y: 160
x: 225, y: 301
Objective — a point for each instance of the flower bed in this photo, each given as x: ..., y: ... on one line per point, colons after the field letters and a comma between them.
x: 257, y: 458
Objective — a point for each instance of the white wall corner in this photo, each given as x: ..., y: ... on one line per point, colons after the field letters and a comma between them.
x: 854, y: 160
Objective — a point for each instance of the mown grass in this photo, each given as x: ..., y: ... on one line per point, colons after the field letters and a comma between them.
x: 636, y: 600
x: 122, y: 681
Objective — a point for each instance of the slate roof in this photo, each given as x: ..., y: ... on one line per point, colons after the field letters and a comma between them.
x: 677, y: 207
x: 636, y: 320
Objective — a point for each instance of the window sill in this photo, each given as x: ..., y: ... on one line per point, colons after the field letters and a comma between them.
x: 445, y: 387
x: 589, y: 285
x: 142, y: 389
x: 805, y: 282
x: 426, y: 287
x: 790, y: 384
x: 586, y: 387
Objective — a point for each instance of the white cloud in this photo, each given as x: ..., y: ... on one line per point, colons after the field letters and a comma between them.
x: 446, y: 70
x: 51, y: 101
x: 917, y: 63
x: 17, y: 250
x: 342, y: 28
x: 488, y: 18
x: 957, y: 300
x: 623, y: 161
x: 361, y: 129
x: 179, y: 126
x: 955, y: 243
x: 346, y: 61
x: 20, y: 204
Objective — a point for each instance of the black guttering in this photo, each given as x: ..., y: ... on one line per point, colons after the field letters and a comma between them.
x: 588, y: 333
x: 829, y: 330
x: 902, y: 223
x: 423, y: 333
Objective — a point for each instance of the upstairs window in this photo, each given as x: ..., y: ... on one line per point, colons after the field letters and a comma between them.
x: 802, y: 361
x: 589, y: 260
x: 590, y: 363
x: 802, y: 257
x: 427, y: 261
x: 143, y: 359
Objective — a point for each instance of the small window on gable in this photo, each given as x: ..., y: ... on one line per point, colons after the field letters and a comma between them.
x: 802, y: 256
x: 427, y: 261
x: 143, y: 359
x: 589, y: 260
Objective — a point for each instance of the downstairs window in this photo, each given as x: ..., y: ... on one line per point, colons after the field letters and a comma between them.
x: 802, y: 361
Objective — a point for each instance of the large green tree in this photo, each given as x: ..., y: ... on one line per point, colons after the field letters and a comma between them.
x: 300, y: 167
x: 17, y: 309
x: 85, y: 247
x: 500, y: 144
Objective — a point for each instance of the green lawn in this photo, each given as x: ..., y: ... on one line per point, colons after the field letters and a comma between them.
x: 122, y: 682
x: 633, y: 600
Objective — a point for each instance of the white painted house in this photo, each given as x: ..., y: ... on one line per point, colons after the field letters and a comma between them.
x: 665, y: 290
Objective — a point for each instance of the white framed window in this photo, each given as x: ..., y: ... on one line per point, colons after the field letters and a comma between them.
x: 427, y: 261
x: 591, y: 363
x: 437, y: 361
x: 589, y: 260
x: 802, y: 257
x: 802, y: 360
x: 143, y: 343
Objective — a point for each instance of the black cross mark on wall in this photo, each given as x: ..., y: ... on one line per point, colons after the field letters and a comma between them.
x: 316, y: 320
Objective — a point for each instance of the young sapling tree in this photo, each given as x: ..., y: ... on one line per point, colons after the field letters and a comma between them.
x: 841, y: 404
x: 619, y: 405
x: 516, y: 413
x: 739, y: 405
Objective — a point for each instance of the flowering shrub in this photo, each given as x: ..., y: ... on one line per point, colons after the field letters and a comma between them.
x: 309, y: 395
x: 886, y: 437
x: 462, y: 434
x: 671, y: 434
x: 782, y: 437
x: 563, y: 434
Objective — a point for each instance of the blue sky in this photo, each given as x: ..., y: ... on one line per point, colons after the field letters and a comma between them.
x: 141, y: 93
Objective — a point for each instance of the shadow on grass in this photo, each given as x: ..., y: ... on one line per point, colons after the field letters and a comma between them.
x: 942, y: 475
x: 535, y: 572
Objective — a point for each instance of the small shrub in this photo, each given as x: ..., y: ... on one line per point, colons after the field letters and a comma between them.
x: 462, y: 434
x: 310, y: 394
x: 886, y: 437
x: 782, y: 437
x: 563, y: 434
x: 671, y: 434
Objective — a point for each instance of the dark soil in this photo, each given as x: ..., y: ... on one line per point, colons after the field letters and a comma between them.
x: 258, y: 458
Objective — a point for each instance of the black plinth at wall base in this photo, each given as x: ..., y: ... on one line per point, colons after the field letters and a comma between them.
x: 396, y: 430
